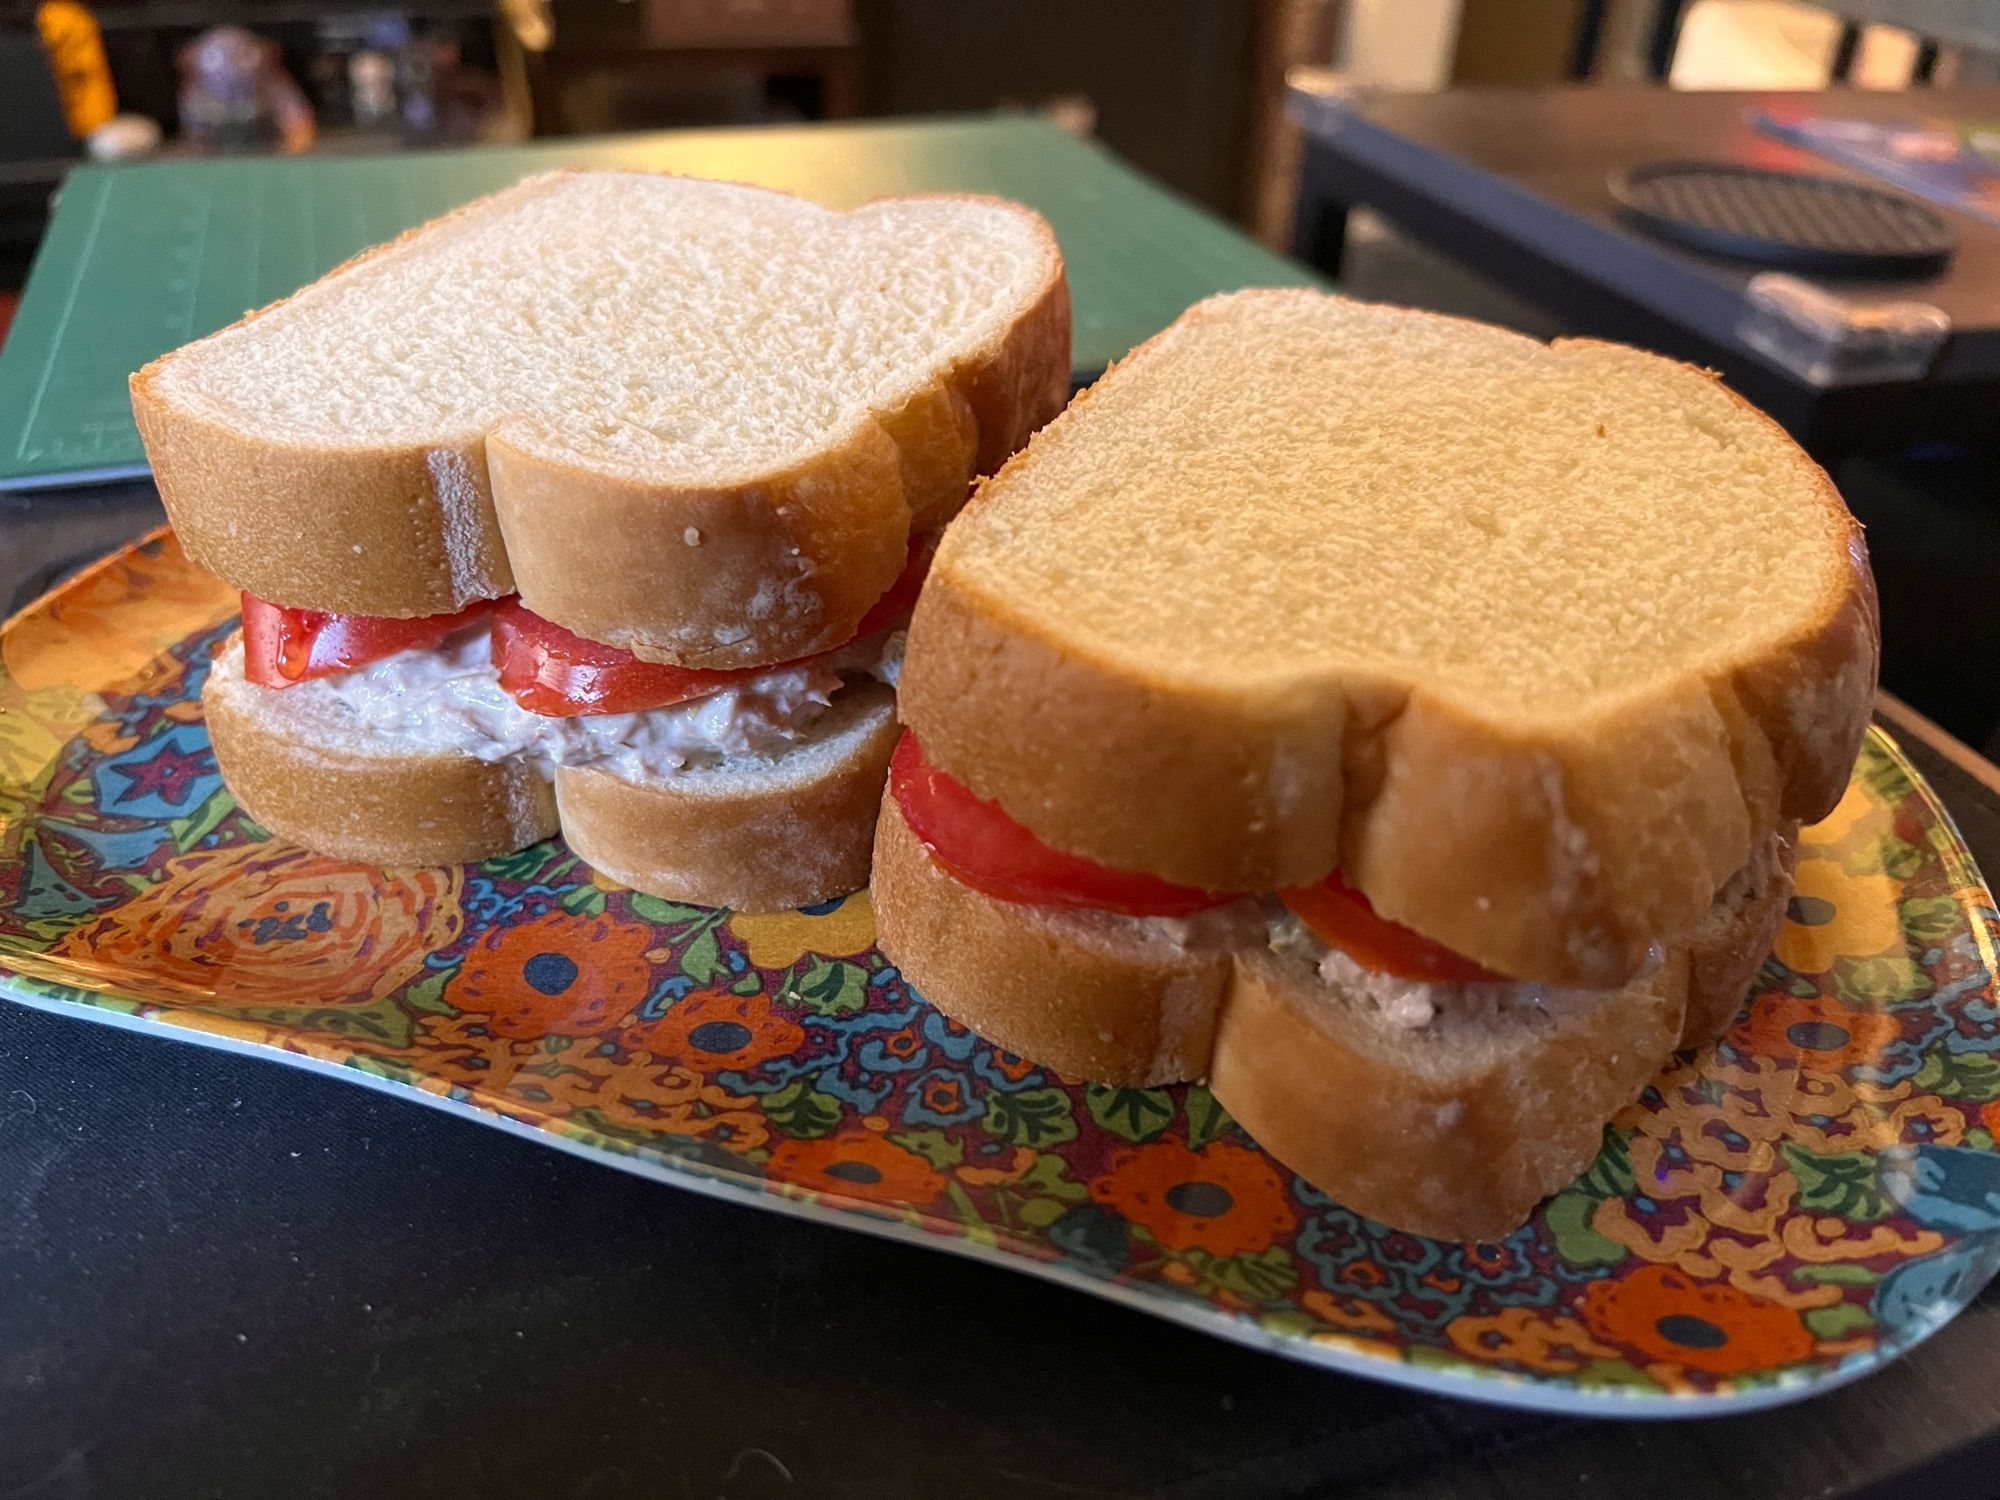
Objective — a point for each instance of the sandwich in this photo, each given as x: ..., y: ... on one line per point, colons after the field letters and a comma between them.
x: 598, y: 506
x: 1400, y: 723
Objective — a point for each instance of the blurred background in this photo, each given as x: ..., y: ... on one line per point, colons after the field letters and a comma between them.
x: 1486, y: 157
x: 1192, y: 91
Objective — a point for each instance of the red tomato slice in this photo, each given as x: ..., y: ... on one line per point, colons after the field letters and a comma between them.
x: 1341, y: 916
x: 282, y: 646
x: 984, y: 848
x: 555, y: 672
x: 552, y: 671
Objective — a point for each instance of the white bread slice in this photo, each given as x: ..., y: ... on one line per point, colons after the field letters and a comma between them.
x: 1732, y: 941
x: 693, y: 419
x: 1536, y: 643
x: 1090, y: 994
x: 1455, y: 1130
x: 755, y: 833
x: 345, y: 798
x: 761, y: 833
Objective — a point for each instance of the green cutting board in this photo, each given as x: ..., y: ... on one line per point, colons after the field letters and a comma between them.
x: 139, y: 259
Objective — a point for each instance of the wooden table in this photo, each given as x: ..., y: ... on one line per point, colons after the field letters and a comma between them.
x: 1514, y: 184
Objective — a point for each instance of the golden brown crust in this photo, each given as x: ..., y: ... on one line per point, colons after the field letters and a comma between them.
x: 387, y: 510
x: 1463, y: 1157
x: 364, y: 531
x: 1466, y: 1152
x: 405, y: 810
x: 1725, y: 952
x: 1555, y: 854
x: 768, y: 849
x: 424, y: 530
x: 1428, y: 1131
x: 845, y: 505
x: 1091, y: 1000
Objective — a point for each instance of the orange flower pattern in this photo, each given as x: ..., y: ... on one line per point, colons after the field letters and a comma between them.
x: 557, y: 975
x: 1816, y: 1030
x: 725, y: 1032
x: 1794, y: 1200
x: 857, y: 1164
x: 1226, y: 1200
x: 1667, y: 1317
x: 110, y: 622
x: 269, y: 924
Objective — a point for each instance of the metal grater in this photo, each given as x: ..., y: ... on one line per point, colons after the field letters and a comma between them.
x: 1793, y: 220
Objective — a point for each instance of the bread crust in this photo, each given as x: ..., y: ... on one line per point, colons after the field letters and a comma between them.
x: 1091, y: 999
x: 1466, y: 1157
x: 1457, y: 1150
x: 374, y: 540
x: 756, y: 844
x: 429, y: 528
x: 769, y: 849
x: 377, y: 810
x: 1555, y: 855
x: 1724, y: 953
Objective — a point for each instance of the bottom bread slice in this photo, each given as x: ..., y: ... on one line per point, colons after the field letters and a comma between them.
x: 761, y: 833
x: 753, y: 833
x: 1455, y: 1129
x: 1089, y: 994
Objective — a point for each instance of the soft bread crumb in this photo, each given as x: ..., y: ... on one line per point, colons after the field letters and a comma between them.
x: 526, y: 316
x: 1323, y: 482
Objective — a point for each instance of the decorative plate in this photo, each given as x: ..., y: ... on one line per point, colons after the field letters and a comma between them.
x: 1783, y: 1213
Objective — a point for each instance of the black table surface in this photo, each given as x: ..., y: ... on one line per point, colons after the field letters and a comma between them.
x: 1515, y: 183
x: 223, y: 1277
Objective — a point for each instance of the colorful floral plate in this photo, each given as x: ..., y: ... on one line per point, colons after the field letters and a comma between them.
x: 1783, y: 1213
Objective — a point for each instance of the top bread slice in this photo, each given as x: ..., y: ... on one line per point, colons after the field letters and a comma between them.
x: 1536, y: 643
x: 693, y: 419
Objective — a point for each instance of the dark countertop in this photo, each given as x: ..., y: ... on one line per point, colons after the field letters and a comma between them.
x: 1564, y: 145
x: 1515, y: 183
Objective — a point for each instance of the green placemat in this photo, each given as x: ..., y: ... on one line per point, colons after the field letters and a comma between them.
x: 139, y: 259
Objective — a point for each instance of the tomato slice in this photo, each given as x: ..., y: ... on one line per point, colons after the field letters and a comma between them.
x: 984, y: 848
x: 282, y: 646
x: 549, y: 670
x: 555, y: 672
x: 1342, y: 917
